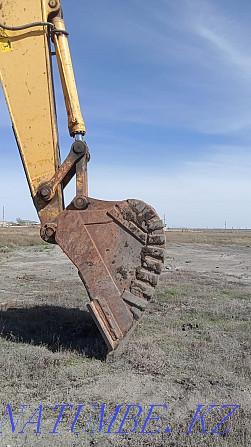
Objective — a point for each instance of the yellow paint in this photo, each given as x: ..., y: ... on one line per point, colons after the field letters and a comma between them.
x: 5, y: 42
x: 27, y: 83
x: 26, y: 79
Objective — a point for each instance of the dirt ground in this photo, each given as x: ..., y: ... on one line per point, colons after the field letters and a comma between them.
x: 192, y: 347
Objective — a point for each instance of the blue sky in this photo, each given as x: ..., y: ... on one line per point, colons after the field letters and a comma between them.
x: 165, y: 88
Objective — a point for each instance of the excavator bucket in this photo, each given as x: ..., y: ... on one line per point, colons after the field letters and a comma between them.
x: 118, y: 248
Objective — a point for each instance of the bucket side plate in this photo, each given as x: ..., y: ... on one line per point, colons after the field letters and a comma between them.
x: 118, y: 248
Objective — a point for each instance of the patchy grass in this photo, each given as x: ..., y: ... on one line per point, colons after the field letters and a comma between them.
x: 29, y: 236
x: 192, y: 348
x: 20, y: 237
x: 212, y: 237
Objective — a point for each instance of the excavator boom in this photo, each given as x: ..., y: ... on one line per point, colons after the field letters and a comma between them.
x: 117, y: 247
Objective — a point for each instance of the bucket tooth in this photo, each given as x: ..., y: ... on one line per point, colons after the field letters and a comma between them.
x: 156, y: 239
x: 137, y: 314
x: 156, y: 225
x: 155, y: 252
x: 136, y: 205
x: 140, y: 288
x: 134, y: 300
x: 148, y: 213
x: 145, y: 275
x: 152, y: 265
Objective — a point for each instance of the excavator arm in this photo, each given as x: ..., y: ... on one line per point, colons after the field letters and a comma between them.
x: 117, y: 247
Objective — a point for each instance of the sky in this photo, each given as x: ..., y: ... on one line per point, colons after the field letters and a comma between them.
x: 165, y: 90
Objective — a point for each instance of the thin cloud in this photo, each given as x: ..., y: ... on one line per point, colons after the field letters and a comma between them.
x: 222, y: 32
x: 200, y: 68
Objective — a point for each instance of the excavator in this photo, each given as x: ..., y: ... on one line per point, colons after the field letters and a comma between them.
x: 118, y: 247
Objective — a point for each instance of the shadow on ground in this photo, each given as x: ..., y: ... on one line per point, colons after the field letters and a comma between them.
x: 57, y: 328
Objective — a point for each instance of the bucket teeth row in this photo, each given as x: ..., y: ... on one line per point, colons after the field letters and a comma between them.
x: 146, y: 226
x: 143, y: 223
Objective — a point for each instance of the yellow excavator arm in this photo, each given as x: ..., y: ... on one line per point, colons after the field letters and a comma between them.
x: 118, y: 247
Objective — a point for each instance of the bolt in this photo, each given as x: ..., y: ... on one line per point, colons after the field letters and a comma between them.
x: 81, y: 203
x: 79, y: 147
x: 53, y: 3
x: 49, y: 231
x: 45, y: 192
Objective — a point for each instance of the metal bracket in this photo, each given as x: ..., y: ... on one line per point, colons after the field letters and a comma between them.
x: 79, y: 150
x: 48, y: 232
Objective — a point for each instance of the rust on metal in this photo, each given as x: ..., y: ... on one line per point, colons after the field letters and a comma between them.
x: 81, y: 176
x: 108, y: 243
x: 78, y: 150
x: 48, y: 231
x: 117, y: 247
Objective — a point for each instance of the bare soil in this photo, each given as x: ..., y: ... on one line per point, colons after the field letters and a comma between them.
x: 192, y: 347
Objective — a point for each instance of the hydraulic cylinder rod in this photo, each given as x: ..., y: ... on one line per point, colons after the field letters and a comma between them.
x: 76, y: 123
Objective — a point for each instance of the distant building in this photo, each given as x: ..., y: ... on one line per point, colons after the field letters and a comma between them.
x: 26, y: 223
x: 29, y: 223
x: 3, y: 223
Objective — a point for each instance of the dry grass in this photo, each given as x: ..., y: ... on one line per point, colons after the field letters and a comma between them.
x: 29, y: 236
x: 212, y: 237
x: 192, y: 348
x: 20, y: 236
